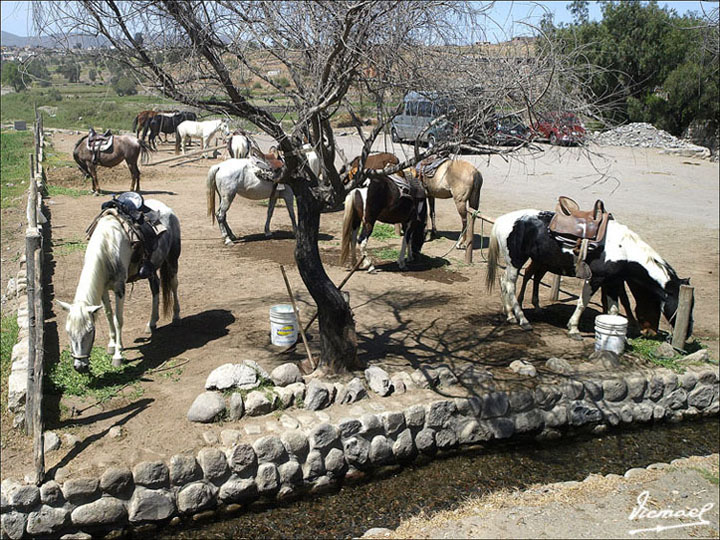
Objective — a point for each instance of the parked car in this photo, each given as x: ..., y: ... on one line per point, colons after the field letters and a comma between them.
x: 505, y: 130
x: 560, y: 128
x: 419, y: 112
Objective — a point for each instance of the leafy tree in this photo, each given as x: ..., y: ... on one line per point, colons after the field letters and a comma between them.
x: 124, y: 86
x: 11, y: 76
x: 580, y: 11
x: 70, y: 71
x: 92, y: 75
x: 38, y: 72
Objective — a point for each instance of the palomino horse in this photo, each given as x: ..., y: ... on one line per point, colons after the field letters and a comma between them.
x: 124, y: 148
x: 375, y: 162
x: 382, y: 201
x: 108, y: 266
x: 460, y: 180
x: 205, y: 130
x: 245, y: 178
x: 625, y: 257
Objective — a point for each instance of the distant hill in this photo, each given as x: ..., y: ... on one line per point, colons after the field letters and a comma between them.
x: 8, y: 39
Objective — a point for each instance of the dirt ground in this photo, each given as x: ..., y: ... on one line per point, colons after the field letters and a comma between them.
x: 604, y: 506
x: 437, y: 312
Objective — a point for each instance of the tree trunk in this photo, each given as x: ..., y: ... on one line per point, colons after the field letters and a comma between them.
x: 338, y: 340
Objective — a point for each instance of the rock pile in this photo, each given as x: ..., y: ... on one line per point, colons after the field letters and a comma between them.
x: 644, y: 135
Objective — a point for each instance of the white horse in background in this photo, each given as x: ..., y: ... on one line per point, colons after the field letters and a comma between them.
x: 107, y: 267
x: 312, y: 158
x: 238, y: 145
x: 205, y: 130
x: 242, y: 177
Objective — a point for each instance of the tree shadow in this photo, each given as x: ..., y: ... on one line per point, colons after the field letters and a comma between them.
x: 276, y: 235
x: 479, y: 241
x: 422, y: 263
x: 132, y: 410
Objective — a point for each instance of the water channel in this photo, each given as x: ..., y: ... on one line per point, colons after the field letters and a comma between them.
x: 443, y: 483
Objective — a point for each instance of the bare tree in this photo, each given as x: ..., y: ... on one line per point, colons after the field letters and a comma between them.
x: 317, y: 57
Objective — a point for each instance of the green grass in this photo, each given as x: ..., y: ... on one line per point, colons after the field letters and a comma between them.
x: 8, y: 338
x: 15, y: 146
x: 62, y: 190
x: 647, y: 349
x: 707, y: 475
x: 103, y: 383
x: 65, y: 247
x: 384, y: 231
x: 386, y: 254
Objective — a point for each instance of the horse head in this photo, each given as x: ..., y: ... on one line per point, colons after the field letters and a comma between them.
x: 80, y: 327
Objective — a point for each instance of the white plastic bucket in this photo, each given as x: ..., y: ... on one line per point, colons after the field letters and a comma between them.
x: 283, y: 325
x: 610, y: 332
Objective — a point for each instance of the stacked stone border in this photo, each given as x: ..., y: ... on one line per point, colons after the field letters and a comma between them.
x: 300, y: 461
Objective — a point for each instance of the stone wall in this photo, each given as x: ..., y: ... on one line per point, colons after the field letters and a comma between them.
x: 297, y: 461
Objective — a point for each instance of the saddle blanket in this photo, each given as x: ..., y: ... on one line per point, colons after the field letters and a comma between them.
x: 428, y: 167
x: 100, y: 145
x: 409, y: 187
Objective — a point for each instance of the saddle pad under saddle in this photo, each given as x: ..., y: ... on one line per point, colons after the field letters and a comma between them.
x: 428, y: 167
x: 409, y: 187
x: 100, y: 145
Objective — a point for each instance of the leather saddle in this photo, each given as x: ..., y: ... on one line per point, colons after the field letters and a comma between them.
x: 579, y: 230
x: 429, y: 166
x: 269, y: 164
x: 99, y: 143
x: 409, y: 186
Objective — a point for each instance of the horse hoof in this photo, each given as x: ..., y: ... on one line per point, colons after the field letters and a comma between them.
x: 268, y: 234
x: 149, y: 329
x: 460, y: 246
x: 526, y: 326
x: 110, y: 349
x: 96, y: 193
x: 117, y: 362
x: 575, y: 336
x: 228, y: 242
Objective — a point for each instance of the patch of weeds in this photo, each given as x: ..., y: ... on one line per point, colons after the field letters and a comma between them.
x: 65, y: 247
x: 62, y: 190
x: 8, y: 338
x: 647, y: 350
x: 102, y: 383
x: 15, y: 146
x: 300, y: 402
x: 386, y: 254
x: 384, y: 231
x: 711, y: 477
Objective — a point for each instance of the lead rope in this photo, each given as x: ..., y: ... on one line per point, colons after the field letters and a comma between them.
x: 474, y: 214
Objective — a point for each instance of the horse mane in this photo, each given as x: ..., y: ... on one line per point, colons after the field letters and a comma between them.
x: 651, y: 259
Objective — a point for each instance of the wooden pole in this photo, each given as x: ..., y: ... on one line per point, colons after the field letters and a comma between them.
x: 297, y: 317
x: 38, y: 370
x: 187, y: 154
x: 682, y: 318
x: 470, y: 238
x: 555, y: 288
x: 32, y: 238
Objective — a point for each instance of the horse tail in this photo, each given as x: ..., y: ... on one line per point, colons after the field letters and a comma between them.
x: 168, y: 275
x: 492, y: 260
x: 210, y: 192
x: 76, y: 157
x: 474, y: 200
x: 347, y: 227
x: 145, y: 150
x: 135, y: 123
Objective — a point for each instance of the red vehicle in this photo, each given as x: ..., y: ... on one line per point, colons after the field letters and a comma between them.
x: 560, y: 128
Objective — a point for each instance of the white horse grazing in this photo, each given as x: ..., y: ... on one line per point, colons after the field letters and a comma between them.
x: 240, y: 177
x: 107, y: 267
x: 238, y: 145
x: 206, y: 130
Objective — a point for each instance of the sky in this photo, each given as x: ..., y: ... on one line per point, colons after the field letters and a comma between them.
x: 16, y: 15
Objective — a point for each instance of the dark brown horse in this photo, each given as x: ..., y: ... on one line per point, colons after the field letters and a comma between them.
x: 373, y: 162
x: 141, y: 120
x: 382, y: 200
x: 124, y: 148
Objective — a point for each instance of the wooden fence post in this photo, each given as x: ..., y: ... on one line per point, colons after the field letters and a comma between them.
x: 32, y: 238
x: 555, y: 288
x: 682, y: 318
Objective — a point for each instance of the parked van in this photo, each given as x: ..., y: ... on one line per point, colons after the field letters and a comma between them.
x: 419, y: 111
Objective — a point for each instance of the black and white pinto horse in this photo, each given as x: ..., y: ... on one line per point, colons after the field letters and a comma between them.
x: 166, y: 124
x: 107, y: 267
x: 625, y: 258
x: 381, y: 200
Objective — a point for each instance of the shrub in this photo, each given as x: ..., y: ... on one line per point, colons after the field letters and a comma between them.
x: 124, y: 86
